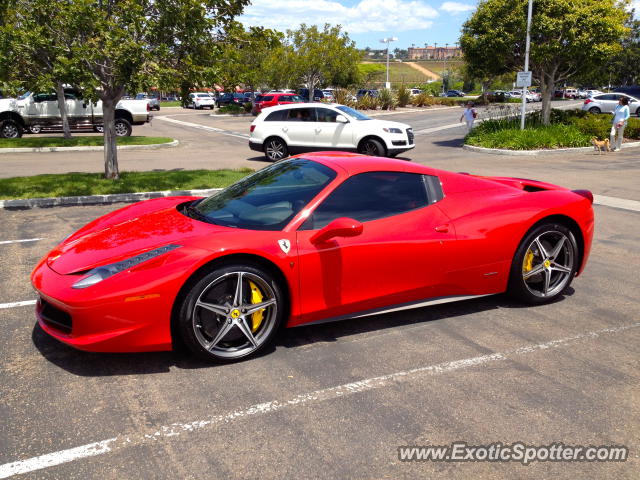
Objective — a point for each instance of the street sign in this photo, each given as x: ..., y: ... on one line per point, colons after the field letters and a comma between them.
x: 523, y: 79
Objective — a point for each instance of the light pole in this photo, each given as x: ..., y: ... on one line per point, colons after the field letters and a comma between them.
x: 444, y: 66
x: 388, y: 40
x: 526, y: 65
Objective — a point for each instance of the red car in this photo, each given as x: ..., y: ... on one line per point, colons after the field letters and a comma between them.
x: 322, y: 236
x: 271, y: 99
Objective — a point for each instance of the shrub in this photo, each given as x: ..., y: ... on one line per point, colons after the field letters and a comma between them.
x: 633, y: 129
x: 551, y: 136
x: 232, y: 108
x: 422, y: 99
x: 386, y: 100
x: 344, y: 97
x: 404, y: 96
x: 247, y: 106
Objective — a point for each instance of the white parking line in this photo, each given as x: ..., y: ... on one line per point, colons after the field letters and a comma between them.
x: 6, y: 242
x: 615, y: 202
x: 17, y: 304
x: 137, y: 438
x: 203, y: 127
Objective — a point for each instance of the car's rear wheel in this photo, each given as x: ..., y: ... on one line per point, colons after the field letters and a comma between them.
x: 544, y: 264
x: 10, y: 129
x: 122, y: 127
x: 275, y: 149
x: 372, y: 147
x: 231, y: 313
x: 595, y: 110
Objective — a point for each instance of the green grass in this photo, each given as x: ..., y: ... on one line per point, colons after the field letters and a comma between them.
x: 94, y: 140
x: 74, y: 184
x: 173, y: 103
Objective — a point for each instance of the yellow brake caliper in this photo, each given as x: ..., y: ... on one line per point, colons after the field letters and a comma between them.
x: 528, y: 262
x: 256, y: 297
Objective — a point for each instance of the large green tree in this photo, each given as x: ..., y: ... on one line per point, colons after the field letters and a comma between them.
x: 324, y: 55
x: 567, y: 39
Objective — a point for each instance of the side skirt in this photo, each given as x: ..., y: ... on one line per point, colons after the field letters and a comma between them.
x: 397, y: 308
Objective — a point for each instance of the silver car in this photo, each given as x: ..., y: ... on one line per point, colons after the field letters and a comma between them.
x: 154, y: 102
x: 607, y: 102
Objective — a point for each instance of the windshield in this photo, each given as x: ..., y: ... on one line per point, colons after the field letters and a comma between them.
x: 267, y: 199
x: 24, y: 95
x: 353, y: 113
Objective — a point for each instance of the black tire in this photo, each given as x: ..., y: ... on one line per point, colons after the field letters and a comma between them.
x: 98, y: 128
x: 275, y: 149
x: 595, y: 110
x: 638, y: 112
x: 372, y: 147
x: 201, y: 328
x: 535, y: 277
x: 10, y: 129
x: 122, y: 127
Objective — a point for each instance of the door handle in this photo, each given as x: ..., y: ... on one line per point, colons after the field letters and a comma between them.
x: 285, y: 129
x: 442, y: 228
x: 318, y: 130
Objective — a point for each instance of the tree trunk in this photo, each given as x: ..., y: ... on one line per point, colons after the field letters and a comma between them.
x: 548, y: 90
x: 110, y: 148
x: 62, y: 106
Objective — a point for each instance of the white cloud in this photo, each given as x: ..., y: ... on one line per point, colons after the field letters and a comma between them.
x: 365, y: 16
x: 456, y: 7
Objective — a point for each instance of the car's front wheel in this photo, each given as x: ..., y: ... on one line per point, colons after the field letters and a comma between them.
x: 544, y: 264
x: 275, y: 149
x: 594, y: 110
x: 231, y: 313
x: 372, y: 147
x: 10, y: 129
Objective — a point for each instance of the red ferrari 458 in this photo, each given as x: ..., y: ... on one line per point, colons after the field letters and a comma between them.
x: 317, y: 237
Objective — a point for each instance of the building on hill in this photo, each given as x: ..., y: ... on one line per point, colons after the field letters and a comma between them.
x: 433, y: 52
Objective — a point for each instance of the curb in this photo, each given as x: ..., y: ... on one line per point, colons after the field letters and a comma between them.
x: 87, y: 149
x: 529, y: 153
x: 231, y: 115
x: 27, y: 203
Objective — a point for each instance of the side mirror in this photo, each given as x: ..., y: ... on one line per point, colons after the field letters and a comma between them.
x: 340, y: 227
x: 341, y: 119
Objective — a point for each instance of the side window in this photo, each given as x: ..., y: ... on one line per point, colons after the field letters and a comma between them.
x: 326, y: 115
x: 266, y: 98
x: 44, y: 97
x: 277, y: 116
x: 371, y: 196
x: 302, y: 115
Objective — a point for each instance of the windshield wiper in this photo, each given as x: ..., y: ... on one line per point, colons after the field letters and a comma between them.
x: 194, y: 213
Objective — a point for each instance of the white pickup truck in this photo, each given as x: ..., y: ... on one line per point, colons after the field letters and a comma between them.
x: 34, y: 111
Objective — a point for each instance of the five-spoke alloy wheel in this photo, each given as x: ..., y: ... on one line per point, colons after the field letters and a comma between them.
x: 230, y: 313
x: 544, y: 265
x: 275, y: 149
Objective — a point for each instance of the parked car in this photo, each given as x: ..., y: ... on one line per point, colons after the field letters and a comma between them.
x: 154, y: 102
x: 631, y: 90
x: 415, y: 91
x: 571, y: 93
x: 363, y: 91
x: 329, y: 94
x: 34, y: 111
x: 529, y: 97
x: 607, y: 102
x: 286, y: 129
x: 200, y: 100
x: 230, y: 99
x: 455, y: 93
x: 330, y: 236
x: 271, y: 99
x: 591, y: 93
x: 304, y: 94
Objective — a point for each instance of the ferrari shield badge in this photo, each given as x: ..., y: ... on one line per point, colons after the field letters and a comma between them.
x: 285, y: 245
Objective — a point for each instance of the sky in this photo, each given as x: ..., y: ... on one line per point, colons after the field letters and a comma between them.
x: 367, y: 21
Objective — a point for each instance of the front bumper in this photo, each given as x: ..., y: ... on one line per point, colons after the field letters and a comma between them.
x: 97, y: 320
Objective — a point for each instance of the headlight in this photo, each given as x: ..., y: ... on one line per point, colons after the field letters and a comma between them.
x: 98, y: 274
x: 392, y: 130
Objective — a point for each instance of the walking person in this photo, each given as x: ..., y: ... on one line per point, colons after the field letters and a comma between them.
x: 620, y: 116
x: 469, y: 115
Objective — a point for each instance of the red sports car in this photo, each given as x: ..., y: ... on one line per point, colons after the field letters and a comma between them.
x: 317, y: 237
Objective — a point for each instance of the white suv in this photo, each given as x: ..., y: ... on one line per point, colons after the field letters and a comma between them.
x: 305, y: 127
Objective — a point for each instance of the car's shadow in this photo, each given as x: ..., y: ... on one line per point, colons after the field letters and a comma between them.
x: 88, y: 364
x: 451, y: 143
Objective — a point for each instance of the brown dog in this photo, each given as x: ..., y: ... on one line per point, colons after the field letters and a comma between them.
x: 601, y: 145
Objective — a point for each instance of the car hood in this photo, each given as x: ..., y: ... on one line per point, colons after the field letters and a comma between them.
x: 127, y: 232
x: 385, y: 124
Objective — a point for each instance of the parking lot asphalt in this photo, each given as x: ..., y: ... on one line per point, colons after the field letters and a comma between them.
x: 335, y: 401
